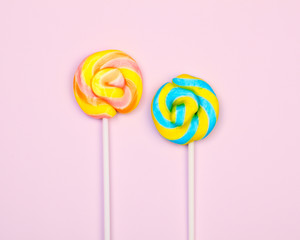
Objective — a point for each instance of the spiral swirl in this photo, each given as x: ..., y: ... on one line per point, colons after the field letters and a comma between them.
x: 185, y: 110
x: 108, y: 82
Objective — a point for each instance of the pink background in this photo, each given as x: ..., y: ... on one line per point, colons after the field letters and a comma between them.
x: 247, y: 170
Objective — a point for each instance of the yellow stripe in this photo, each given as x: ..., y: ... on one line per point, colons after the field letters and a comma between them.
x: 136, y: 79
x: 203, y: 125
x: 162, y: 100
x: 186, y: 76
x: 95, y: 109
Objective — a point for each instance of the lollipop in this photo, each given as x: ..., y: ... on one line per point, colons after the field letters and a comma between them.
x: 105, y: 83
x: 108, y: 82
x: 185, y: 111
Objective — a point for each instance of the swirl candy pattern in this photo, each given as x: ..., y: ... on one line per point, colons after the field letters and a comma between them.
x: 108, y: 82
x: 185, y: 110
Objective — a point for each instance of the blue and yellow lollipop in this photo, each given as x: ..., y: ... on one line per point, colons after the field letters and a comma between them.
x: 185, y: 110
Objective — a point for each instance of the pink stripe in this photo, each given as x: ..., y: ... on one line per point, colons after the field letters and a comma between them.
x: 122, y: 62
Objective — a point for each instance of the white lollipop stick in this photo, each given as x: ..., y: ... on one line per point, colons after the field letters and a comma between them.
x: 106, y: 187
x: 191, y: 187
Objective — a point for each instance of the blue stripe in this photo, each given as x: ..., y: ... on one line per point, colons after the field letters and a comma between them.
x: 189, y: 133
x: 211, y: 114
x: 180, y: 114
x: 192, y: 83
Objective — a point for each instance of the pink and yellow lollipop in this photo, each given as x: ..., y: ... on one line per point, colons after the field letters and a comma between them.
x: 107, y: 82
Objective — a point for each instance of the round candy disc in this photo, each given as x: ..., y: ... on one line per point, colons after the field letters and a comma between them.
x: 185, y: 110
x: 107, y: 82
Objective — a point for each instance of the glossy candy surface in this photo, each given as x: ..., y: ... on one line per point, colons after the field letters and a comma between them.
x: 185, y: 110
x: 108, y: 82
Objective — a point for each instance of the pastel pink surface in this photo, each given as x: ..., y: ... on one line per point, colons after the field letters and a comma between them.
x: 247, y: 170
